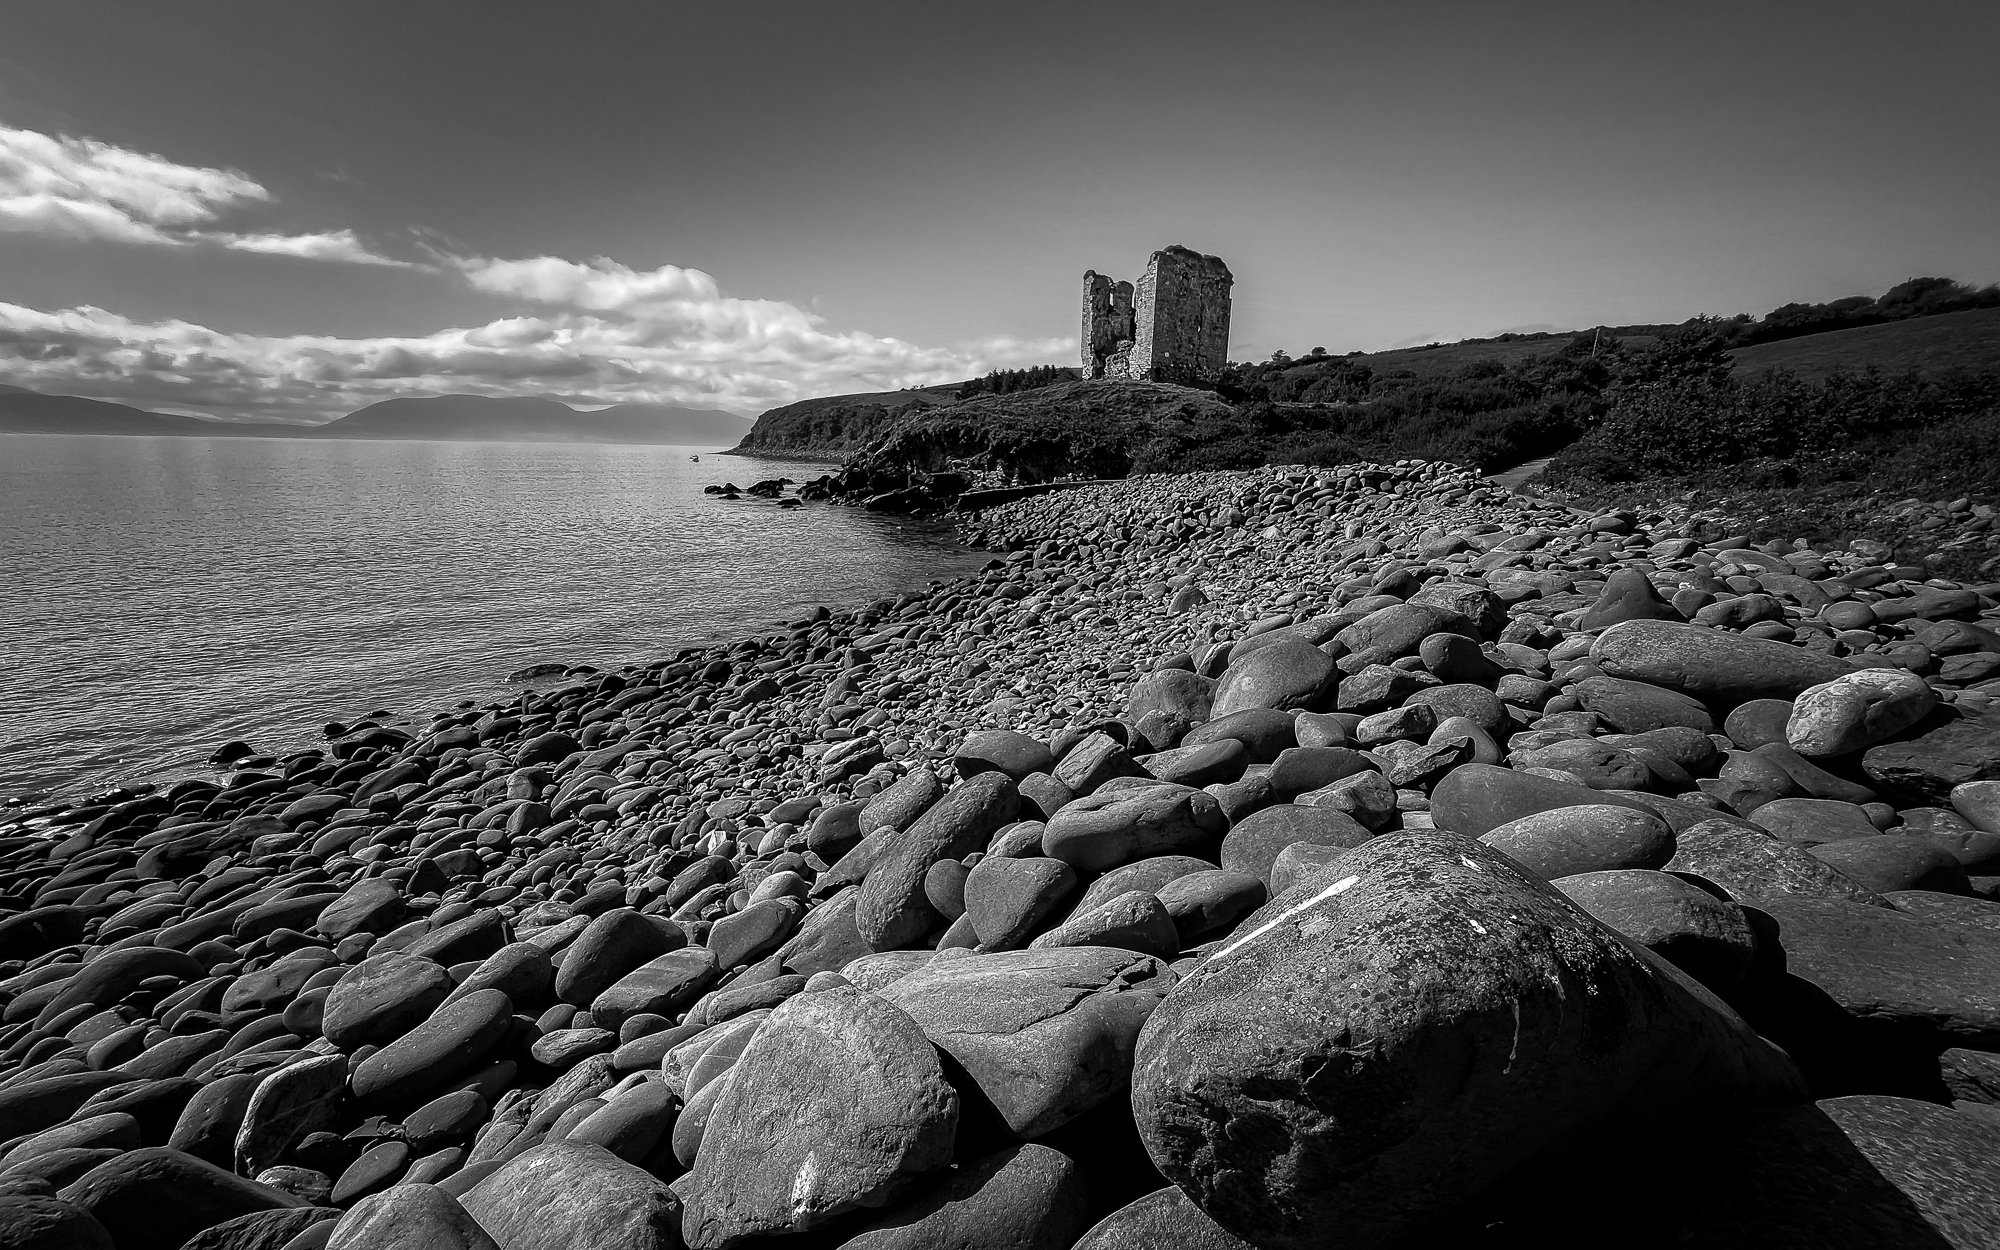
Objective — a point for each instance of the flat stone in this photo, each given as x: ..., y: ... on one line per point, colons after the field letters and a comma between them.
x: 1938, y: 979
x: 1753, y: 866
x: 1045, y: 1035
x: 1715, y: 666
x: 1951, y: 749
x: 1023, y: 1197
x: 568, y: 1195
x: 383, y: 997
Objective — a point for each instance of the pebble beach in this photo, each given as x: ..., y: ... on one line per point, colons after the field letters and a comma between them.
x: 1359, y: 857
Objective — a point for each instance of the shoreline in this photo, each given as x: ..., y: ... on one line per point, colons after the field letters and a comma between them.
x: 1180, y: 749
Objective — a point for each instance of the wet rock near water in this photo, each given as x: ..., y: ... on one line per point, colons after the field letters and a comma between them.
x: 1235, y: 857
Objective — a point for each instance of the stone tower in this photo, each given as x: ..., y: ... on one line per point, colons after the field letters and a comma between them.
x: 1173, y: 327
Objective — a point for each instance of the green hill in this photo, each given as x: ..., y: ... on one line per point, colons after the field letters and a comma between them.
x: 834, y: 426
x: 1957, y: 340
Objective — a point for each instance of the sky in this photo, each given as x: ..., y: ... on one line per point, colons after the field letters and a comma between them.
x: 272, y: 210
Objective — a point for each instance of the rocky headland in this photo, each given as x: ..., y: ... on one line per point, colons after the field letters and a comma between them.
x: 1350, y: 857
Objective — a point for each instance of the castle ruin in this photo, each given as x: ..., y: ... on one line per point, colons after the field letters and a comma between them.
x: 1173, y: 327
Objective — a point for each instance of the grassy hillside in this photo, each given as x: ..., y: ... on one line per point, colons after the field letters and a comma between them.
x: 1440, y: 360
x: 1959, y: 340
x: 835, y: 426
x: 1072, y: 429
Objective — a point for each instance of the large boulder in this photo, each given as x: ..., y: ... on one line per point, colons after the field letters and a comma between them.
x: 1023, y: 1197
x: 409, y: 1217
x: 1476, y: 799
x: 453, y: 1042
x: 1115, y: 827
x: 1043, y: 1034
x: 1288, y: 673
x: 1857, y: 710
x: 1752, y: 866
x: 839, y: 1102
x: 564, y: 1195
x: 1396, y: 1032
x: 1717, y: 666
x: 1937, y: 979
x: 155, y: 1198
x: 1955, y: 748
x: 1591, y: 838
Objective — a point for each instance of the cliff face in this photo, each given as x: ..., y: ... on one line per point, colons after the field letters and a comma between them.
x: 836, y: 426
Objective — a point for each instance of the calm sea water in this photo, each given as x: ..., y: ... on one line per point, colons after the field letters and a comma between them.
x: 159, y: 596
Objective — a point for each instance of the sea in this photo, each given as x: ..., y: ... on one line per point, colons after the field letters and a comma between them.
x: 161, y: 596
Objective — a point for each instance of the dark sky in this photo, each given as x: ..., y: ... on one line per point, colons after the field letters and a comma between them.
x: 196, y: 197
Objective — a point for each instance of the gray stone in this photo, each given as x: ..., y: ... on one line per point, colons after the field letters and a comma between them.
x: 1938, y: 979
x: 838, y: 1103
x: 1045, y: 1035
x: 1388, y: 1038
x: 1253, y: 845
x: 1698, y: 933
x: 409, y: 1217
x: 297, y: 1099
x: 892, y: 912
x: 1753, y: 866
x: 572, y: 1196
x: 1102, y: 831
x: 1024, y: 1197
x: 1288, y: 673
x: 383, y: 997
x: 1590, y: 838
x: 1857, y: 710
x: 1713, y: 665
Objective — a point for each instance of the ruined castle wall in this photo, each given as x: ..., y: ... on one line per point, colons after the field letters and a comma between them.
x: 1181, y: 309
x: 1107, y: 326
x: 1173, y: 327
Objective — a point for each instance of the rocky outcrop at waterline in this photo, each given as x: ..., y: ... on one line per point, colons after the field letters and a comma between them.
x: 1359, y: 857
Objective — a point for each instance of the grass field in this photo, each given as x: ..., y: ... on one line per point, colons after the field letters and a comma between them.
x: 1431, y: 362
x: 1960, y: 340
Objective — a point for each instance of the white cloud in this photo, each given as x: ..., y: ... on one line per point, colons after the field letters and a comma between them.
x: 603, y: 332
x: 331, y: 245
x: 602, y: 284
x: 85, y: 189
x: 82, y: 188
x: 588, y: 359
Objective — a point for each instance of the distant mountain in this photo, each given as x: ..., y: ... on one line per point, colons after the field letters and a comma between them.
x: 30, y: 412
x: 475, y: 418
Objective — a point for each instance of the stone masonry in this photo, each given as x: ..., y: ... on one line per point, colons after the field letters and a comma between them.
x: 1173, y: 327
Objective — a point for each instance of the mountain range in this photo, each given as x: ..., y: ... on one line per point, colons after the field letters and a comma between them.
x: 472, y: 418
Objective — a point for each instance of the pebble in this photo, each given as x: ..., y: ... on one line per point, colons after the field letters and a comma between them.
x: 1035, y: 841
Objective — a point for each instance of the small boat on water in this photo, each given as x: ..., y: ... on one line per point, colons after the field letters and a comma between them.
x: 696, y: 459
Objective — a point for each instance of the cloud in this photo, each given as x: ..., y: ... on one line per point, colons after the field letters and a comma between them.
x: 85, y: 189
x: 595, y: 331
x: 585, y: 358
x: 331, y: 245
